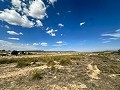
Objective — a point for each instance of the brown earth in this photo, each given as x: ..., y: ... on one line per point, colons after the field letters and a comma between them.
x: 93, y: 72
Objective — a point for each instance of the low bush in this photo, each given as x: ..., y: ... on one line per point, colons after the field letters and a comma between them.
x: 37, y: 75
x: 65, y: 62
x: 50, y: 62
x: 21, y: 64
x: 7, y: 61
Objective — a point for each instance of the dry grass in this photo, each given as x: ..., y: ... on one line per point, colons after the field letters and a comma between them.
x: 70, y: 72
x: 37, y: 75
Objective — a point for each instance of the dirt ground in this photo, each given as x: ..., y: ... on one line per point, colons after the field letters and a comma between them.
x: 88, y: 73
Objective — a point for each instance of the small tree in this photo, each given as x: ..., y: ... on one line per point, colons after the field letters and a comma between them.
x: 14, y: 52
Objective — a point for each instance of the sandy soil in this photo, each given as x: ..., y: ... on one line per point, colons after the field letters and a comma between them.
x: 83, y: 74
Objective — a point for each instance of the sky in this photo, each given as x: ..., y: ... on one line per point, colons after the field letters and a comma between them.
x: 60, y: 25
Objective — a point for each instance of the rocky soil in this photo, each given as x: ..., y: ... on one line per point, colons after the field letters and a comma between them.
x: 91, y: 72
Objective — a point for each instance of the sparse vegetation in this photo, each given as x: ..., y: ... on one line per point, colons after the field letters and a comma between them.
x: 21, y: 64
x: 37, y: 75
x: 50, y: 62
x: 8, y: 61
x: 63, y: 69
x: 65, y: 62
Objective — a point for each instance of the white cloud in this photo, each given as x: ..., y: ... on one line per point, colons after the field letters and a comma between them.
x: 14, y: 18
x: 6, y: 26
x: 44, y: 44
x: 25, y: 11
x: 47, y: 28
x: 2, y: 0
x: 35, y: 44
x: 111, y: 36
x: 16, y: 4
x: 37, y: 9
x: 118, y: 30
x: 23, y: 5
x: 52, y: 1
x: 59, y: 42
x: 20, y: 33
x: 69, y: 11
x: 21, y: 10
x: 58, y: 13
x: 60, y: 25
x: 39, y: 23
x: 13, y: 46
x: 106, y: 41
x: 116, y: 34
x: 82, y: 23
x: 13, y: 38
x: 52, y: 32
x: 12, y: 32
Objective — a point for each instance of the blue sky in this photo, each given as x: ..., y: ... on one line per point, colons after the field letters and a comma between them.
x: 79, y: 25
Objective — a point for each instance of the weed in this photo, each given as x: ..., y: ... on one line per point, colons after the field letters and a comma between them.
x: 37, y: 75
x: 50, y: 62
x: 7, y: 61
x: 21, y: 64
x: 65, y: 62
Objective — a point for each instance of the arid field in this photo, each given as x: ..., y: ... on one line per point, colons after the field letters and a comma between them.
x: 75, y: 71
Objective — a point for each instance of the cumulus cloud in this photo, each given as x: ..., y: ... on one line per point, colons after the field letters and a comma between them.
x: 13, y: 46
x: 60, y: 25
x: 37, y: 9
x: 21, y: 10
x: 82, y: 23
x: 44, y: 44
x: 16, y: 4
x: 25, y: 11
x: 39, y: 23
x: 51, y: 32
x: 13, y: 38
x: 52, y: 1
x: 14, y: 18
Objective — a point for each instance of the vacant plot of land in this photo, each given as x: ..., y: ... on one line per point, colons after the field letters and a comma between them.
x: 62, y: 72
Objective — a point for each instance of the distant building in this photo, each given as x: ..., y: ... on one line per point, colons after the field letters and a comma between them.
x: 3, y: 53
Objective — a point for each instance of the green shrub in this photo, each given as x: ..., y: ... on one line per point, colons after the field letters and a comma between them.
x: 50, y: 62
x: 53, y: 68
x: 21, y: 64
x: 37, y: 75
x: 7, y: 61
x: 65, y: 62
